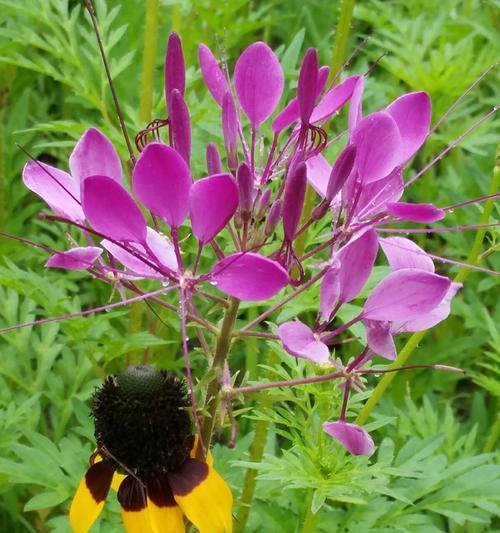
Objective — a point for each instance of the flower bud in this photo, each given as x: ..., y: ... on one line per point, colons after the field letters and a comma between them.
x: 214, y: 165
x: 340, y: 172
x: 273, y: 218
x: 180, y: 125
x: 245, y: 187
x: 263, y: 206
x: 175, y: 70
x: 293, y: 201
x: 307, y: 84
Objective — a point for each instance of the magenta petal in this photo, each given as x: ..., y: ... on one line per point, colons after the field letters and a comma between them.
x: 323, y: 73
x: 299, y: 340
x: 162, y: 249
x: 378, y: 146
x: 180, y: 125
x: 111, y: 210
x: 162, y: 252
x: 293, y: 201
x: 230, y: 126
x: 259, y: 80
x: 318, y: 174
x: 214, y: 164
x: 249, y: 276
x: 307, y: 84
x: 380, y: 339
x: 175, y: 69
x: 433, y: 317
x: 356, y: 264
x: 355, y: 106
x: 75, y: 259
x: 212, y: 74
x: 212, y: 202
x: 329, y: 291
x: 424, y: 213
x: 340, y: 172
x: 161, y: 181
x: 95, y: 155
x: 412, y: 113
x: 56, y: 187
x: 334, y: 99
x: 403, y: 253
x: 405, y: 294
x: 375, y: 195
x: 353, y: 438
x: 286, y: 117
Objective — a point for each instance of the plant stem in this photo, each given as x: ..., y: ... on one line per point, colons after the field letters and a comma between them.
x: 493, y: 436
x: 256, y: 454
x: 342, y: 35
x: 415, y: 339
x: 148, y: 63
x: 310, y: 517
x: 221, y: 351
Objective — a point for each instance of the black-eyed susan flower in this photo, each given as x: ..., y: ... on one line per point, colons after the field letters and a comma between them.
x: 146, y: 451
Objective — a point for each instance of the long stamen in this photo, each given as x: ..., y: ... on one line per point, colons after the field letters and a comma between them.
x: 90, y: 8
x: 187, y: 364
x: 471, y: 202
x: 452, y: 145
x: 460, y: 98
x: 436, y: 230
x: 49, y: 173
x: 88, y: 311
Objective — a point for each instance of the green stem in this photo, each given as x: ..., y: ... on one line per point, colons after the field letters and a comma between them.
x: 148, y: 62
x: 493, y: 436
x: 256, y: 454
x: 221, y: 351
x: 415, y: 339
x: 342, y: 36
x: 309, y: 517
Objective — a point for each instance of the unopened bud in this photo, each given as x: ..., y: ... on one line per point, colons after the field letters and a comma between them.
x: 214, y: 165
x: 293, y: 201
x: 340, y: 172
x: 273, y: 218
x: 263, y: 206
x: 245, y: 187
x: 307, y: 84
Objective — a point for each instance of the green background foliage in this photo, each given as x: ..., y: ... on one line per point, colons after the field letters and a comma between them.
x: 436, y: 467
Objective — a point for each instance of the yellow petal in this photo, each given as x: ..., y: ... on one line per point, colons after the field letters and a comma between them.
x: 166, y: 516
x: 204, y: 496
x: 166, y: 519
x: 137, y: 521
x: 90, y: 497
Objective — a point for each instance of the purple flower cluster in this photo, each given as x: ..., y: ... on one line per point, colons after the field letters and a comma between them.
x: 259, y: 202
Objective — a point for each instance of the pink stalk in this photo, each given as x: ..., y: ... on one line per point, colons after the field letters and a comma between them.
x: 187, y: 363
x: 471, y: 202
x: 452, y: 145
x: 460, y: 98
x: 89, y: 311
x: 437, y: 230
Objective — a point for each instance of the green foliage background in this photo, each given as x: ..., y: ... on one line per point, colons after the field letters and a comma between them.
x: 436, y: 468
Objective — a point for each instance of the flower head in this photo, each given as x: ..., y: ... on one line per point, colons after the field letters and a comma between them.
x: 146, y: 450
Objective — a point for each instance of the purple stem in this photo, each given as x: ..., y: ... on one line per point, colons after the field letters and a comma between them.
x: 436, y: 230
x: 89, y: 311
x: 189, y: 375
x: 345, y: 400
x: 470, y: 202
x: 452, y: 145
x: 325, y: 338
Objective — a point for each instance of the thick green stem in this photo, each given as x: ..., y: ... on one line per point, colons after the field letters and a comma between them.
x: 221, y: 351
x: 148, y: 62
x: 256, y: 454
x: 415, y: 339
x: 342, y: 36
x: 309, y: 525
x: 494, y: 434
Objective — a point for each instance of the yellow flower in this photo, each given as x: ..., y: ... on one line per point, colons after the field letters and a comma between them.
x: 147, y: 452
